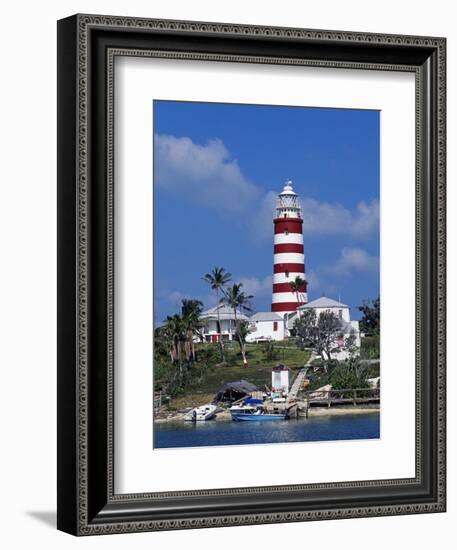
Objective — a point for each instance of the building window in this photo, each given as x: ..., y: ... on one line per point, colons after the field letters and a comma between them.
x: 340, y: 313
x: 287, y: 274
x: 286, y: 231
x: 275, y: 325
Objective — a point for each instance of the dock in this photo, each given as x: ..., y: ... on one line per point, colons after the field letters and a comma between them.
x: 296, y: 407
x: 344, y: 397
x: 355, y: 396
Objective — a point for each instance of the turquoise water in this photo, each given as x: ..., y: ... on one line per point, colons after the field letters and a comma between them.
x: 211, y: 433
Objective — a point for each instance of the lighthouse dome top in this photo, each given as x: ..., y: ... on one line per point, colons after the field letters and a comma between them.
x: 288, y: 188
x: 288, y: 204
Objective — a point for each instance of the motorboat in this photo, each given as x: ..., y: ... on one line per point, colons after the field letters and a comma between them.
x: 243, y: 413
x: 200, y: 414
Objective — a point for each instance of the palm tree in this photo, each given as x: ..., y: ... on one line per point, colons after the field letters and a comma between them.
x: 236, y: 299
x: 176, y: 334
x: 217, y: 279
x: 297, y: 286
x: 190, y: 313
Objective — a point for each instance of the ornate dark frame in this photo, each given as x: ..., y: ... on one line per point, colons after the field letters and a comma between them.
x: 88, y: 45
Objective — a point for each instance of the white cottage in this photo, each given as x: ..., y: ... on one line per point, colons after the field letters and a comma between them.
x: 226, y: 330
x: 266, y: 325
x: 348, y: 327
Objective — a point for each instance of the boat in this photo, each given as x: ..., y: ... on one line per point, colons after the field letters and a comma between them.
x: 251, y: 413
x: 200, y: 414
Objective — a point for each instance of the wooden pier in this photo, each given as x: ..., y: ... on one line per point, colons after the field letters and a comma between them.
x: 289, y: 407
x: 329, y: 398
x: 324, y: 398
x: 356, y: 396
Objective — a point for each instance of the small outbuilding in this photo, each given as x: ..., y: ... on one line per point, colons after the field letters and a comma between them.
x: 280, y: 378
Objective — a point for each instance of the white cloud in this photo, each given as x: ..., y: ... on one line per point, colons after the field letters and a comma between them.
x: 319, y: 284
x: 354, y: 259
x: 256, y: 287
x: 323, y: 218
x: 207, y: 175
x: 314, y: 281
x: 204, y: 174
x: 366, y: 218
x: 176, y: 297
x: 262, y: 220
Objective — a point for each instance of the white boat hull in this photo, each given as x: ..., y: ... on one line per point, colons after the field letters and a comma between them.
x: 201, y: 414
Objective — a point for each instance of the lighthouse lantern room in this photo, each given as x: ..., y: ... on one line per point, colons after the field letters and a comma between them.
x: 289, y: 258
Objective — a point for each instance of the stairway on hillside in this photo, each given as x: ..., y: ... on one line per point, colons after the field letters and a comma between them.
x: 299, y: 379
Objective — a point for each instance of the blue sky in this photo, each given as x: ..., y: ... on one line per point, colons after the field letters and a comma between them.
x: 217, y: 171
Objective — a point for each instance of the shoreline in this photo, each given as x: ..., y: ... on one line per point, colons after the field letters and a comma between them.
x: 224, y: 416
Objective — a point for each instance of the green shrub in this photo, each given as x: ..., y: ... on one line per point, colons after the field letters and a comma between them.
x: 369, y: 347
x: 340, y: 375
x: 269, y: 351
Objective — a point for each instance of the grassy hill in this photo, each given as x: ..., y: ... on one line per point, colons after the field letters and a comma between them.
x: 212, y: 374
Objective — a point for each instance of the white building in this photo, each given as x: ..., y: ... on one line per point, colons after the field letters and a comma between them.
x: 280, y: 379
x: 226, y: 331
x: 269, y: 325
x: 341, y: 311
x: 266, y: 325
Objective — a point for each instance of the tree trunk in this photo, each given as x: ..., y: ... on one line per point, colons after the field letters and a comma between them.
x: 221, y: 343
x: 243, y: 352
x: 240, y: 339
x: 192, y: 346
x: 328, y: 352
x: 186, y: 348
x: 174, y: 351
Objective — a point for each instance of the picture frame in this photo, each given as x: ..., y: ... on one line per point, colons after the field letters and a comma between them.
x: 87, y: 501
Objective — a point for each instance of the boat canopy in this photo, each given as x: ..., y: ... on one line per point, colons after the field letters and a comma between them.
x: 252, y: 401
x: 232, y: 391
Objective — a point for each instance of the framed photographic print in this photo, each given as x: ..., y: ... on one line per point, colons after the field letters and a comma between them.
x: 251, y: 274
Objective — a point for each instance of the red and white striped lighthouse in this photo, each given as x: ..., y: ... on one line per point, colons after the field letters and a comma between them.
x: 289, y: 257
